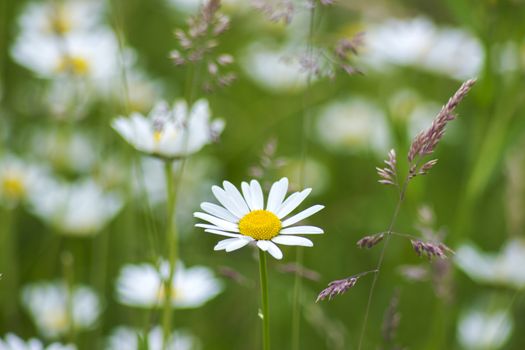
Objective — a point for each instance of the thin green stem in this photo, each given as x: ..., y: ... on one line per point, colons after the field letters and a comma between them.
x: 69, y: 277
x: 264, y: 300
x: 172, y: 245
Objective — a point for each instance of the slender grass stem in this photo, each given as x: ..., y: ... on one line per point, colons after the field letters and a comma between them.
x: 402, y: 192
x: 264, y: 300
x: 172, y: 245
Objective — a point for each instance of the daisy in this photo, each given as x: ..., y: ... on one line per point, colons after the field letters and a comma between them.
x: 352, y: 125
x: 484, y: 329
x: 419, y: 43
x: 170, y: 132
x: 127, y: 338
x: 81, y: 208
x: 17, y: 180
x: 60, y: 18
x: 143, y: 285
x: 47, y: 302
x: 245, y: 219
x: 13, y: 342
x: 503, y: 268
x: 92, y: 56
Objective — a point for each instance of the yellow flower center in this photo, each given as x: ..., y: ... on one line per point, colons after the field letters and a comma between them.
x: 157, y: 135
x: 74, y: 64
x: 60, y: 24
x: 260, y: 224
x: 161, y: 294
x: 13, y: 187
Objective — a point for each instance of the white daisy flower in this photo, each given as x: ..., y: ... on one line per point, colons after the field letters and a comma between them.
x: 46, y: 303
x: 143, y: 285
x: 244, y: 218
x: 479, y: 329
x: 13, y: 342
x: 505, y: 268
x: 127, y: 338
x: 170, y: 132
x: 354, y: 124
x: 419, y: 42
x: 80, y: 208
x: 17, y: 180
x: 92, y: 56
x: 273, y: 69
x: 60, y: 18
x: 74, y: 152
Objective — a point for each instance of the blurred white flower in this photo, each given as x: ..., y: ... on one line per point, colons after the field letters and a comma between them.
x: 479, y: 330
x: 13, y: 342
x: 46, y: 303
x: 504, y: 268
x: 419, y: 42
x: 80, y: 208
x: 92, y: 56
x: 355, y: 124
x: 69, y: 152
x: 17, y: 179
x: 60, y: 17
x: 142, y: 285
x: 170, y: 132
x: 273, y: 69
x: 127, y: 338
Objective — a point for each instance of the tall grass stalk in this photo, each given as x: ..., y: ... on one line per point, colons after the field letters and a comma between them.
x: 388, y: 234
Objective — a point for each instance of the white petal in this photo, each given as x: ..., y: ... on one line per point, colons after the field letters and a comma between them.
x: 263, y: 245
x: 218, y: 211
x: 226, y: 201
x: 292, y: 202
x: 271, y: 248
x: 221, y: 245
x: 275, y: 251
x: 277, y: 194
x: 222, y: 233
x: 237, y: 245
x: 304, y: 230
x: 302, y: 215
x: 236, y: 196
x: 246, y: 192
x: 293, y: 240
x: 213, y: 227
x: 216, y: 221
x: 257, y: 195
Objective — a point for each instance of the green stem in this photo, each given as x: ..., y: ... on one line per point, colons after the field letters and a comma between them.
x: 172, y: 243
x: 68, y: 271
x: 296, y: 307
x: 402, y: 192
x: 264, y: 300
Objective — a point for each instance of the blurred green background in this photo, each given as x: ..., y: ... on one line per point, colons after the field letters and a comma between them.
x: 476, y: 191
